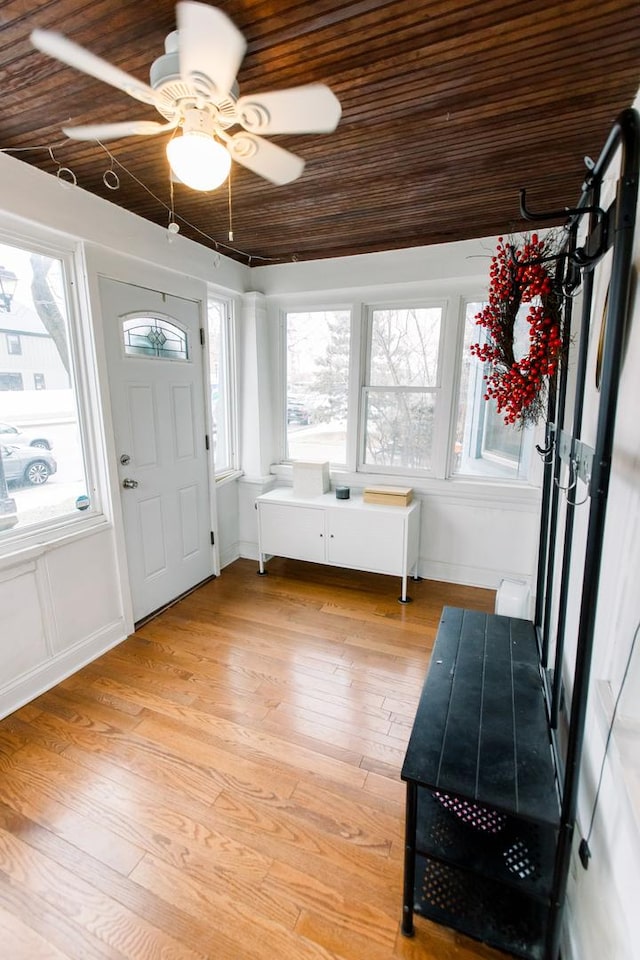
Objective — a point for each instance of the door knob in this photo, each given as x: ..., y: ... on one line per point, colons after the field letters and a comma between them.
x: 129, y: 484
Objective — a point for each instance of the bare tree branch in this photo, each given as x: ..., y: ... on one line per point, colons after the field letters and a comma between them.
x: 47, y: 307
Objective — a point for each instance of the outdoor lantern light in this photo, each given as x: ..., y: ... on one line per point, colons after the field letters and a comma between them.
x: 8, y: 282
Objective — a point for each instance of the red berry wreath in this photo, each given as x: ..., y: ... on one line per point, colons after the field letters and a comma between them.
x: 519, y: 386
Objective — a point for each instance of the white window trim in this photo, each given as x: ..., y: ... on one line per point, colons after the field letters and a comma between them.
x: 441, y: 477
x: 230, y: 347
x: 441, y: 389
x: 84, y: 361
x: 355, y: 312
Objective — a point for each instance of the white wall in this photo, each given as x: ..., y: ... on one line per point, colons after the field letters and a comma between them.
x: 61, y: 607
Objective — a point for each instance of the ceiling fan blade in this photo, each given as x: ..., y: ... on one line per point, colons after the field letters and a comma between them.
x: 211, y: 48
x: 113, y: 131
x: 264, y: 158
x: 58, y: 47
x: 313, y: 108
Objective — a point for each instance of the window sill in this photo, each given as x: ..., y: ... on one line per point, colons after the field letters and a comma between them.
x: 29, y: 547
x: 223, y: 478
x: 458, y: 488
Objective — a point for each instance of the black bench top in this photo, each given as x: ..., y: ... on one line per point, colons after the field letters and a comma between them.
x: 481, y: 728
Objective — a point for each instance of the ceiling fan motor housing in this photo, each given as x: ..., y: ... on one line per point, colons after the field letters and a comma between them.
x: 175, y: 96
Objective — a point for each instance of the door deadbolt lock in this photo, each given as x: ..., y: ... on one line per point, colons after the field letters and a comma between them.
x: 125, y: 459
x: 129, y: 484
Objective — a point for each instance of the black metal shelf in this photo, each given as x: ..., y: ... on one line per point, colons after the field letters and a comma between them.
x: 514, y: 852
x: 490, y: 912
x: 481, y: 728
x: 483, y: 811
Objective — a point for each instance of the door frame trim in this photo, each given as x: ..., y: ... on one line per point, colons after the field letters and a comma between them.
x: 109, y: 265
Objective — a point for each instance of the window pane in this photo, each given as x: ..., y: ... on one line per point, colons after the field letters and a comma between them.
x: 219, y: 386
x: 399, y: 428
x: 484, y: 445
x: 154, y: 337
x: 400, y: 396
x: 318, y: 346
x: 404, y: 347
x: 14, y: 346
x: 42, y: 470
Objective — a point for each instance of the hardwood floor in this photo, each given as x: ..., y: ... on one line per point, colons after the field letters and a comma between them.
x: 225, y: 783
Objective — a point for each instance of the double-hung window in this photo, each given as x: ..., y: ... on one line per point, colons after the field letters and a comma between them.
x: 400, y: 395
x: 395, y: 390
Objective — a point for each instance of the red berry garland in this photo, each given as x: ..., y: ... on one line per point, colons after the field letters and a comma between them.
x: 519, y: 386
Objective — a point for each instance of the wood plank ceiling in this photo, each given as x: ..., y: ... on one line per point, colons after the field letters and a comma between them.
x: 449, y: 107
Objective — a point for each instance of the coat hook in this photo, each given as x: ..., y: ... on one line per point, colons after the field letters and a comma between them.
x: 528, y: 214
x: 573, y: 463
x: 545, y: 453
x: 578, y: 503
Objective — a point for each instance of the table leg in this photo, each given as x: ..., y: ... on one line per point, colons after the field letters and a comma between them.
x: 404, y: 598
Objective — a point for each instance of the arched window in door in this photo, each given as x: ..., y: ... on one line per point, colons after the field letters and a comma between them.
x: 155, y: 337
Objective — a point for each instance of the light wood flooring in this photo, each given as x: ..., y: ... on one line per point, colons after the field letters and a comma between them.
x: 225, y: 783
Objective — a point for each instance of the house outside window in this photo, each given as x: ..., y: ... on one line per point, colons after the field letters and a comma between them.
x: 39, y: 381
x: 14, y: 344
x: 11, y: 381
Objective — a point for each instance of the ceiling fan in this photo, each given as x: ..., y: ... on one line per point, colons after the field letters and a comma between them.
x: 193, y: 85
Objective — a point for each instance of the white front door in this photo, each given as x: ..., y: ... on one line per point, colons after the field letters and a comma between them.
x: 157, y: 398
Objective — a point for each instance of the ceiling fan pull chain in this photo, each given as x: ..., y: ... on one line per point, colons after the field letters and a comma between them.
x: 173, y: 227
x: 230, y: 211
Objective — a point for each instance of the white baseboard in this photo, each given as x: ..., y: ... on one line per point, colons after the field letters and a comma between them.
x: 228, y: 555
x: 462, y: 574
x: 248, y: 550
x: 30, y: 685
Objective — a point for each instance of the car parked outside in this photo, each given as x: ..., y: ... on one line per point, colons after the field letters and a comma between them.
x: 297, y: 412
x: 25, y: 465
x: 14, y: 437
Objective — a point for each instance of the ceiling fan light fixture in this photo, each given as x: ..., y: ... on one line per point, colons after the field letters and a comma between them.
x: 198, y: 160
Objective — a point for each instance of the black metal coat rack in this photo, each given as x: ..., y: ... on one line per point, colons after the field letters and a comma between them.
x: 493, y: 762
x: 610, y: 229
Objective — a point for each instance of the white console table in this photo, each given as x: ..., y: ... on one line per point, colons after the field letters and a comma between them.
x: 341, y: 533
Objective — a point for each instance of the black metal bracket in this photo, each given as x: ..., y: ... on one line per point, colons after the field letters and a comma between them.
x: 595, y: 246
x: 549, y: 215
x: 578, y: 454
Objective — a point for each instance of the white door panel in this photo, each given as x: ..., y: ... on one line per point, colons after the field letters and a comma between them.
x: 159, y: 425
x: 141, y: 436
